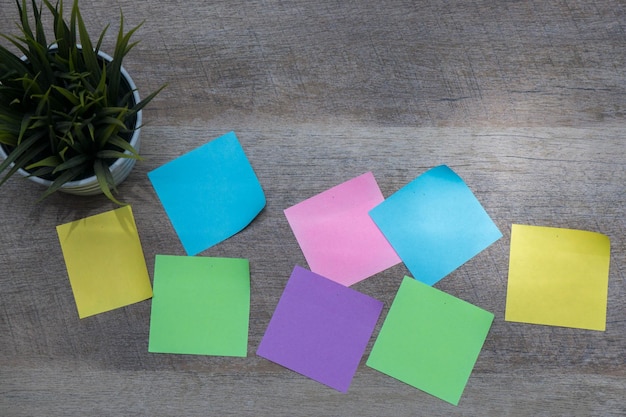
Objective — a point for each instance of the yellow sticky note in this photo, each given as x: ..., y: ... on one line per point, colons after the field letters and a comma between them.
x: 105, y: 261
x: 558, y: 277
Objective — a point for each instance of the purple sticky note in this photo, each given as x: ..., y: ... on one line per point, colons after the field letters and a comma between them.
x: 320, y: 329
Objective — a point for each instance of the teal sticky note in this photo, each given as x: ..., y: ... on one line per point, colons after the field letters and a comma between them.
x: 210, y: 193
x: 435, y: 224
x: 200, y: 306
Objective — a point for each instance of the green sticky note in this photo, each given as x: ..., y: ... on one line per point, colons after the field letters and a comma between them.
x: 200, y: 306
x: 430, y: 340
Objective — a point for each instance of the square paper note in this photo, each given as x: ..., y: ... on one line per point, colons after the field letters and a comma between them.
x: 209, y: 194
x: 105, y: 261
x: 200, y: 306
x: 435, y: 224
x: 338, y: 238
x: 558, y: 277
x: 320, y: 329
x: 430, y: 340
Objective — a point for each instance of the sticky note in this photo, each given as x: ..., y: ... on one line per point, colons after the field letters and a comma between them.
x: 430, y: 340
x: 435, y: 224
x: 201, y: 306
x: 558, y: 277
x: 337, y: 237
x: 104, y: 261
x: 320, y: 329
x: 210, y: 193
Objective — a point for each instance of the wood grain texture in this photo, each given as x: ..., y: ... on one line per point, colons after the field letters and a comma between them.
x: 526, y: 100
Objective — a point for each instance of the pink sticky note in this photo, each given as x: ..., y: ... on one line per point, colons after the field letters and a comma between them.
x: 336, y: 234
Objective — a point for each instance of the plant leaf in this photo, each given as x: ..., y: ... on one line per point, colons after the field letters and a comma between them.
x: 71, y: 97
x: 19, y: 161
x: 88, y: 53
x: 61, y: 30
x: 101, y: 38
x: 147, y: 100
x: 39, y: 31
x: 41, y: 172
x: 51, y: 161
x: 74, y: 162
x: 105, y: 180
x: 110, y: 154
x: 125, y: 145
x: 20, y: 150
x: 110, y: 130
x: 59, y: 181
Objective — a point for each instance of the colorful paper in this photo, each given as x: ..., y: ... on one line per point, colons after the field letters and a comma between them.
x: 105, y: 261
x: 210, y: 193
x: 430, y: 340
x: 337, y: 237
x: 436, y: 224
x: 200, y: 306
x: 558, y: 277
x: 320, y: 329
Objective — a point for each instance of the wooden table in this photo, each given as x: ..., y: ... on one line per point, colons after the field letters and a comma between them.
x: 525, y: 100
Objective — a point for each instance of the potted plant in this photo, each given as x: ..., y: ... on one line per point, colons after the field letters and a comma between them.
x: 70, y: 115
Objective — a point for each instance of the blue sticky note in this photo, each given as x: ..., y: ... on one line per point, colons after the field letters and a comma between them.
x: 210, y: 193
x: 435, y: 224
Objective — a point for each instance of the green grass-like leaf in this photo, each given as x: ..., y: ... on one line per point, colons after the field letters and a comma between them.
x: 105, y: 180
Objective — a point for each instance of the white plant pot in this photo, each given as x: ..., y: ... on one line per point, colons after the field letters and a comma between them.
x: 120, y: 169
